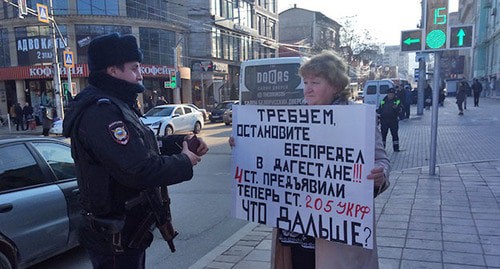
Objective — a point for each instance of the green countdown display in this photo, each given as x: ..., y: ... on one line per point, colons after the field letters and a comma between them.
x: 436, y: 24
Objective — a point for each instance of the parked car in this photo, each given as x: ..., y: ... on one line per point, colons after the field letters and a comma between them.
x: 170, y: 119
x: 227, y: 117
x: 216, y: 115
x: 202, y: 110
x: 39, y: 207
x: 56, y: 127
x: 359, y: 96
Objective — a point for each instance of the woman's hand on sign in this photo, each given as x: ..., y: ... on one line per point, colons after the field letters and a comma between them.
x: 231, y: 141
x: 378, y: 176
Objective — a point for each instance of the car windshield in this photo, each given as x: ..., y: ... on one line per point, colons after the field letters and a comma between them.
x: 159, y: 112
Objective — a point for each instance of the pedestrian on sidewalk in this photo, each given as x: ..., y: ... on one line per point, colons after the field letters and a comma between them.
x: 2, y: 121
x: 468, y: 92
x: 388, y: 111
x: 407, y: 102
x: 477, y: 88
x: 461, y: 96
x: 486, y: 86
x: 493, y: 80
x: 326, y: 83
x: 18, y: 111
x: 428, y: 96
x: 47, y: 119
x: 27, y: 115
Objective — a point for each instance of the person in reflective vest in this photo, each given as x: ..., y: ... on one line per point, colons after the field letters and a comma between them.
x: 388, y: 111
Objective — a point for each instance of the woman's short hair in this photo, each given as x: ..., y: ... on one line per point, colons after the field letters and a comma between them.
x: 330, y: 66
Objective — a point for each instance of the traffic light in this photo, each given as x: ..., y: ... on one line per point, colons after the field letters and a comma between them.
x: 461, y: 36
x: 172, y: 83
x: 173, y: 80
x: 411, y: 40
x: 436, y: 24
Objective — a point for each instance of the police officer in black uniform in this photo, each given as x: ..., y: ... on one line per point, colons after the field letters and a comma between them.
x: 389, y: 110
x: 117, y: 158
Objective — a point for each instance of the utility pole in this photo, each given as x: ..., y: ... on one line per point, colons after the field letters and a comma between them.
x: 56, y: 67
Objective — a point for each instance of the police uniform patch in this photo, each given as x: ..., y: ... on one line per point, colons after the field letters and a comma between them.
x: 119, y: 132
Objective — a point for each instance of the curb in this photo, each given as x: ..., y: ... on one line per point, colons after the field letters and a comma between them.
x: 224, y: 246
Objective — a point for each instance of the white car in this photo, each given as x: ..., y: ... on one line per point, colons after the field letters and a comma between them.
x: 169, y: 119
x: 56, y: 127
x: 202, y: 110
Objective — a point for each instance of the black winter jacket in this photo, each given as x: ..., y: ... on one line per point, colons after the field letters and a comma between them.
x: 116, y: 156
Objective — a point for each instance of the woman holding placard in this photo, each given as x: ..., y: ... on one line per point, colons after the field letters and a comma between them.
x: 326, y: 83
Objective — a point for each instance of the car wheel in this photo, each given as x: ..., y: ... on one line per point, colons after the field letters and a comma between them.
x: 169, y: 130
x: 4, y: 262
x: 197, y: 127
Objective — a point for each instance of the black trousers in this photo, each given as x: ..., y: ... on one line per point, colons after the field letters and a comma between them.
x: 460, y: 106
x: 131, y: 261
x: 476, y: 98
x: 393, y: 126
x: 406, y: 111
x: 19, y: 122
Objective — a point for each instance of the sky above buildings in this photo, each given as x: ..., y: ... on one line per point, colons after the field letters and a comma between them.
x: 384, y: 19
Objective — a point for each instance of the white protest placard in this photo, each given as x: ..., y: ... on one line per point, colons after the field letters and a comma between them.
x: 304, y: 169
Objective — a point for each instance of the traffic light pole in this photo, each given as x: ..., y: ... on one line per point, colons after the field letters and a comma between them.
x: 421, y: 86
x: 422, y: 75
x: 177, y: 92
x: 435, y: 107
x: 70, y: 84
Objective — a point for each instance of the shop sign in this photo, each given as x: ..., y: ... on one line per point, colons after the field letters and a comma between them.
x: 37, y: 49
x: 47, y: 71
x: 220, y: 67
x: 156, y: 70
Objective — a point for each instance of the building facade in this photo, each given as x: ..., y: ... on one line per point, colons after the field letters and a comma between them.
x: 483, y: 61
x: 307, y: 32
x: 225, y: 33
x: 26, y: 64
x: 397, y: 60
x: 203, y: 40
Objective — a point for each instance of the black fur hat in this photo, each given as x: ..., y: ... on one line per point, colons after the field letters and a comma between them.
x: 112, y: 49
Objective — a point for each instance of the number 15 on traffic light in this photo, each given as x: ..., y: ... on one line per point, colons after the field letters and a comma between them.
x: 440, y: 16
